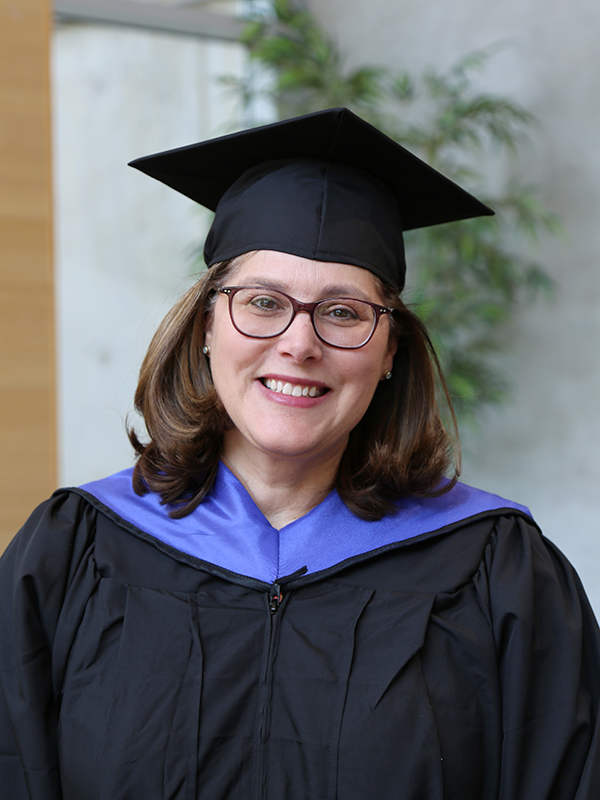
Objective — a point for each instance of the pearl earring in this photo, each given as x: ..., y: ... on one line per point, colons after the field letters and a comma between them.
x: 388, y: 375
x: 206, y: 350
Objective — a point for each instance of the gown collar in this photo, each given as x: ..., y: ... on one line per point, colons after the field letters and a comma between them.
x: 228, y: 529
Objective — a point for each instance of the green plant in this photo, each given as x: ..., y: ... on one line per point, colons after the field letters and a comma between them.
x: 468, y: 278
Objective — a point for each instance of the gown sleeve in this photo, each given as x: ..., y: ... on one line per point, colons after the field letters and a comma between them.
x: 548, y: 652
x: 44, y: 578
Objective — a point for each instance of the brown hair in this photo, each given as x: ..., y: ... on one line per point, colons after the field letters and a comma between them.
x: 400, y: 447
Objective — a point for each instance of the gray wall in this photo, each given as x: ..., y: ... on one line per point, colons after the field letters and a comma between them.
x: 543, y: 449
x: 123, y: 242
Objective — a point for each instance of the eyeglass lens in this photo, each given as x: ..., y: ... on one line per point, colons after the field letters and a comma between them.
x: 341, y: 322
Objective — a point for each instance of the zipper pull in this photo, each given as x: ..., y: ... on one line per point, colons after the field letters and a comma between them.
x: 276, y: 598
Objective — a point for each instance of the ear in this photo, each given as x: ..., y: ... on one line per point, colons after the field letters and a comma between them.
x: 208, y: 332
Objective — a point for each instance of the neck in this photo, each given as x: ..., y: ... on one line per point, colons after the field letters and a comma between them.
x: 283, y: 489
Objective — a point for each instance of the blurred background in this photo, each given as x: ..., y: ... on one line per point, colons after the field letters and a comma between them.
x: 92, y: 253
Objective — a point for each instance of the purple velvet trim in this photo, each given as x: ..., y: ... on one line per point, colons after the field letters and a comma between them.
x: 229, y: 530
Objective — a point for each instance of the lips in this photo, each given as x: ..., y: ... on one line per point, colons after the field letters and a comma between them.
x: 293, y: 389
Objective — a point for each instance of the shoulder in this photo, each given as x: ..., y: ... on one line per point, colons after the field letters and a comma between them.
x: 58, y: 536
x: 71, y: 513
x: 463, y: 501
x: 53, y: 526
x: 454, y: 509
x: 52, y: 551
x: 428, y: 544
x: 48, y: 567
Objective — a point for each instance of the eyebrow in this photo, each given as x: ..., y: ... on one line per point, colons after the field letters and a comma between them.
x: 330, y: 290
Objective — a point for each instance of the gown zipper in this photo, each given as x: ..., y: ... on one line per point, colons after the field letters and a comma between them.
x: 274, y: 600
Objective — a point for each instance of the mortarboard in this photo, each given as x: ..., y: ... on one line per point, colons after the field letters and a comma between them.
x: 326, y: 186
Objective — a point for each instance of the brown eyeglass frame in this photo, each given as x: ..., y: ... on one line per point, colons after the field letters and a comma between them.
x: 308, y: 308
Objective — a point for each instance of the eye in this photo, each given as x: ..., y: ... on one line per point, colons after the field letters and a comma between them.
x: 261, y: 303
x: 341, y: 312
x: 264, y: 303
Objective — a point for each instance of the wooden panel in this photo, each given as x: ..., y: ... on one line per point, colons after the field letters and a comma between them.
x: 27, y: 387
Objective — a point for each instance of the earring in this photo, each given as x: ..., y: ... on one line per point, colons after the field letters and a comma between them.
x: 388, y: 375
x: 206, y: 350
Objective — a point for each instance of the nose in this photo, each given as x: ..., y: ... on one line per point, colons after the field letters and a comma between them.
x: 300, y: 340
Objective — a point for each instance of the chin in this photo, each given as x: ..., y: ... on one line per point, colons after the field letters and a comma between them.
x: 291, y: 449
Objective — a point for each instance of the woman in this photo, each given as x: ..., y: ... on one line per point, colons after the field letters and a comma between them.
x: 285, y: 597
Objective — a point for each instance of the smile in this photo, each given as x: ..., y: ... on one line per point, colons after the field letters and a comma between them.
x: 295, y: 390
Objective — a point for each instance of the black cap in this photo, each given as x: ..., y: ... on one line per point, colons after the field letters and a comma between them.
x: 327, y: 186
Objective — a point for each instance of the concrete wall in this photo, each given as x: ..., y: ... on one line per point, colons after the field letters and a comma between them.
x: 124, y: 243
x: 544, y: 448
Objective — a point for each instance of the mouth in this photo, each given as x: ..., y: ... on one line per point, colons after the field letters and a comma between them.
x: 293, y: 389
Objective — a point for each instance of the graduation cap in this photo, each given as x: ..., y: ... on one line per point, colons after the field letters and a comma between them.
x: 326, y: 186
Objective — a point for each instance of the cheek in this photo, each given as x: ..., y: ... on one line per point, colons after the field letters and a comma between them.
x: 374, y: 363
x: 219, y: 336
x: 235, y: 362
x: 362, y: 381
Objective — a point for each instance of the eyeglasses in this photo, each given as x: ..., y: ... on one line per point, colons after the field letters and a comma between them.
x: 338, y: 321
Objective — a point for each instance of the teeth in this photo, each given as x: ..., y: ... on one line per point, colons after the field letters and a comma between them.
x: 295, y: 390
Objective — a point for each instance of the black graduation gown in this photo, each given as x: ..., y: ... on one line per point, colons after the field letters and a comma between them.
x: 461, y: 664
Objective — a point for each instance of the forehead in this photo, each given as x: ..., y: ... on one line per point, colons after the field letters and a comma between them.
x: 305, y: 276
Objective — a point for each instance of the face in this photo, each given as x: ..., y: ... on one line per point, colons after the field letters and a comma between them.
x: 309, y: 428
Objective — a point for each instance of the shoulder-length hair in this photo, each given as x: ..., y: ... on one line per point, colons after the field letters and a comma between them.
x: 399, y: 448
